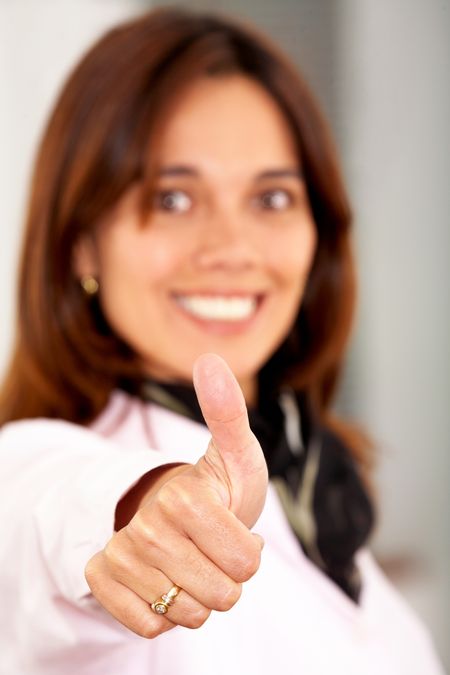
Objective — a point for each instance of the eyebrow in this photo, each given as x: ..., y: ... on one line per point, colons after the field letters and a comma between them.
x: 186, y: 170
x: 280, y: 173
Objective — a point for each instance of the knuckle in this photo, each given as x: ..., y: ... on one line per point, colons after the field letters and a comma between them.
x: 91, y: 574
x: 228, y: 597
x: 149, y: 631
x: 142, y: 623
x: 116, y: 556
x: 176, y: 500
x: 197, y: 618
x: 173, y: 502
x: 141, y: 530
x: 248, y: 566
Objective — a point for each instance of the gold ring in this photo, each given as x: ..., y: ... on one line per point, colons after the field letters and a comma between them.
x: 163, y: 603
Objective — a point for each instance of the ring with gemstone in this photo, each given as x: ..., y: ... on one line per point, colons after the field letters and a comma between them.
x: 162, y: 604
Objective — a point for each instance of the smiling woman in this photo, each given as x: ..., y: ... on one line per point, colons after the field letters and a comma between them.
x: 224, y: 252
x: 85, y: 170
x: 186, y: 199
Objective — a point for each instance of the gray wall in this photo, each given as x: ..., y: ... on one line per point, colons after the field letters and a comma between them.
x: 393, y: 114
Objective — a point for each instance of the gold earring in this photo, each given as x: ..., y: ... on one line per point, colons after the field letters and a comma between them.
x: 89, y: 284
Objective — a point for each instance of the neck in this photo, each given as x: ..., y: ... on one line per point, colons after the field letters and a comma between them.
x: 248, y: 384
x: 249, y: 388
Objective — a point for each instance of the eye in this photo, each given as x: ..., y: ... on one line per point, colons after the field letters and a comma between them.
x: 174, y: 201
x: 274, y: 200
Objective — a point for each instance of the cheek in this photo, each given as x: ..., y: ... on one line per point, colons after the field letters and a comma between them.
x: 135, y: 274
x: 293, y: 254
x: 140, y: 261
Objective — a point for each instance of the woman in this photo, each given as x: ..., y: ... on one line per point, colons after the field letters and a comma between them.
x: 187, y: 200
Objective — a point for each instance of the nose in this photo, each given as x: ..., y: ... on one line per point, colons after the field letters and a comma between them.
x: 227, y: 242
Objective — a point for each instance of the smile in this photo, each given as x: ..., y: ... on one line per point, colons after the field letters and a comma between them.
x: 219, y: 307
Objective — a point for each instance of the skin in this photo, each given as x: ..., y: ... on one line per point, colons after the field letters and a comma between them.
x: 231, y: 217
x: 192, y: 524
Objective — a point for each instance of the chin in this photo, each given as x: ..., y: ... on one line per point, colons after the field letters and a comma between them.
x: 244, y: 362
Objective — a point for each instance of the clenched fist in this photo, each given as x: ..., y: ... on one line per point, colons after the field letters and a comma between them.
x: 191, y: 527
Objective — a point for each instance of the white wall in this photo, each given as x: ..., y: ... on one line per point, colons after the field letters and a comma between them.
x: 394, y: 99
x: 39, y: 41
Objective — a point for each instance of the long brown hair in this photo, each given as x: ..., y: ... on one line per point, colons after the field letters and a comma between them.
x: 67, y: 359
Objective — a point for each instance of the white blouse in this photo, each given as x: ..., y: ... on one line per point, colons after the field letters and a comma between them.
x: 60, y: 484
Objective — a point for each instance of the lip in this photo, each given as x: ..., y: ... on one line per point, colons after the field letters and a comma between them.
x: 221, y: 327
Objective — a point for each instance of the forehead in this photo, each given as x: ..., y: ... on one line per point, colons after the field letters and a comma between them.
x: 229, y: 121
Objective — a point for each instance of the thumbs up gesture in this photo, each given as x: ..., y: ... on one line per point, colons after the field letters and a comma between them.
x: 191, y: 527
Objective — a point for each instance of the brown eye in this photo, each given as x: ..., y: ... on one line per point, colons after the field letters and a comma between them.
x: 173, y: 201
x: 275, y: 200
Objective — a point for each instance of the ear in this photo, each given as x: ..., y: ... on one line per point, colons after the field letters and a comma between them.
x: 85, y: 258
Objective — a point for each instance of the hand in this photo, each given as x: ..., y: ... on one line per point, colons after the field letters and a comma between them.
x: 192, y: 529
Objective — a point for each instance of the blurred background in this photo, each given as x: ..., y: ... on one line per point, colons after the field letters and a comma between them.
x: 381, y: 71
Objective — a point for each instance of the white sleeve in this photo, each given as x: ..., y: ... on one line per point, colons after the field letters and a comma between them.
x: 60, y: 485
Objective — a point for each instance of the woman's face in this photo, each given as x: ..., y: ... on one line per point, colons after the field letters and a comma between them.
x: 222, y: 261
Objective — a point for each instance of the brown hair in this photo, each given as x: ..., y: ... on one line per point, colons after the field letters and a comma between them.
x: 67, y: 359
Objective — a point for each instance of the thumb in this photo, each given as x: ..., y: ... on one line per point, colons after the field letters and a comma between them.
x: 234, y: 452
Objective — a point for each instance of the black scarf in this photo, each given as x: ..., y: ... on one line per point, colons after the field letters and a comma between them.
x: 316, y: 478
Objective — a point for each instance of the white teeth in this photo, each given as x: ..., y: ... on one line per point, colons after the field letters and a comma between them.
x: 218, y: 308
